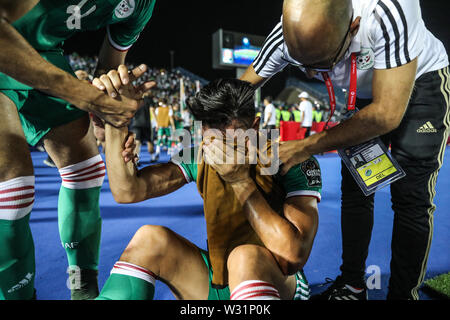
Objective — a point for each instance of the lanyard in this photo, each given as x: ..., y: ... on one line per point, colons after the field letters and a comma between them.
x: 352, y: 90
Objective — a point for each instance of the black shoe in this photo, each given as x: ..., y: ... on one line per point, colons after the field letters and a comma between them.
x: 84, y: 284
x: 341, y: 291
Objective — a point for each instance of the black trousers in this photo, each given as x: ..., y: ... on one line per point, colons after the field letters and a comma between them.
x: 418, y: 144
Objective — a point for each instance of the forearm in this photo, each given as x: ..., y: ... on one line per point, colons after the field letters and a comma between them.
x: 278, y: 235
x: 23, y: 63
x: 391, y: 89
x: 367, y: 124
x: 122, y: 176
x: 108, y: 59
x: 251, y: 76
x: 129, y: 185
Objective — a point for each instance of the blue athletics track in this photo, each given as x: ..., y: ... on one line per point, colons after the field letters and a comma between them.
x: 182, y: 211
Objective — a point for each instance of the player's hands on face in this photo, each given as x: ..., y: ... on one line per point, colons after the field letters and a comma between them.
x: 128, y: 153
x: 231, y: 162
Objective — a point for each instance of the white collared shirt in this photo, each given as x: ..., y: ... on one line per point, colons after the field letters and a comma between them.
x: 392, y: 33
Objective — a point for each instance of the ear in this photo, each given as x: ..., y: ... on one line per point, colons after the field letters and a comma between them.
x: 354, y: 28
x: 256, y: 123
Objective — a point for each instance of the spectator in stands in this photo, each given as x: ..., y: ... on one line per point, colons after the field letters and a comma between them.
x: 270, y: 116
x: 306, y: 109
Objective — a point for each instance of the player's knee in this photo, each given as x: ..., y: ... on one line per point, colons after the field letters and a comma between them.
x: 17, y: 198
x: 84, y: 175
x: 243, y: 257
x: 150, y: 240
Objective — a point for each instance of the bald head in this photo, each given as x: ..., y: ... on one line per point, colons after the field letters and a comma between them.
x: 314, y: 29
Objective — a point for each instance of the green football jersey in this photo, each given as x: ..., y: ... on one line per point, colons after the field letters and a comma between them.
x: 50, y: 22
x: 304, y: 179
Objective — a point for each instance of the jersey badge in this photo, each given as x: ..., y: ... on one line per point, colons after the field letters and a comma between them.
x: 312, y: 172
x: 124, y: 9
x: 366, y: 59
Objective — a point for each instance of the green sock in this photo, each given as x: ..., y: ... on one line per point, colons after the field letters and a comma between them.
x: 80, y: 224
x: 17, y: 261
x: 126, y: 287
x: 80, y: 230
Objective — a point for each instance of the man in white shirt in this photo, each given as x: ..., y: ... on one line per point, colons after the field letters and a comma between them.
x: 306, y: 108
x: 270, y: 116
x: 393, y: 52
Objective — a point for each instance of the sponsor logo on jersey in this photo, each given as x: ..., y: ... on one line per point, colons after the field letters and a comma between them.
x: 312, y: 172
x: 124, y: 9
x: 74, y: 20
x: 366, y: 59
x: 427, y: 128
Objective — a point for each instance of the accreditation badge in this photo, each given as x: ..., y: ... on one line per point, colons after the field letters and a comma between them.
x: 371, y: 165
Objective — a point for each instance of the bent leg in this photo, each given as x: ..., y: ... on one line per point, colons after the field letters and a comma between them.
x: 17, y: 260
x: 160, y: 253
x: 251, y: 267
x: 73, y: 148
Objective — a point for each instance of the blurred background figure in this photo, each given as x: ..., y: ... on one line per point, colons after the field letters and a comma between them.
x: 270, y: 116
x: 164, y: 123
x: 306, y: 109
x: 141, y: 127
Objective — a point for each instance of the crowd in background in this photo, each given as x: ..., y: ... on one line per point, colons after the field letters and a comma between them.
x: 167, y: 94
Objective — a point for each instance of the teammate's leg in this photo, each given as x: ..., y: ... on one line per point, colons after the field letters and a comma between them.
x: 255, y: 275
x: 157, y: 253
x: 74, y: 150
x: 17, y: 262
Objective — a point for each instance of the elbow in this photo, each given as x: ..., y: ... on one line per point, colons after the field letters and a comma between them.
x: 386, y: 122
x: 297, y: 256
x: 123, y: 196
x: 290, y: 266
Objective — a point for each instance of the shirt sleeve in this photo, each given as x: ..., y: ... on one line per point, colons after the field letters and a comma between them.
x: 269, y: 60
x: 124, y: 34
x: 395, y: 32
x: 187, y: 163
x: 304, y: 179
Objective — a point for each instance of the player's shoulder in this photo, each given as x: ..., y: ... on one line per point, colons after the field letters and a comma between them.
x: 308, y: 171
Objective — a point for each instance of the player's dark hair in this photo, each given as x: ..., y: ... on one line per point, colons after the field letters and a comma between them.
x: 269, y: 99
x: 222, y: 101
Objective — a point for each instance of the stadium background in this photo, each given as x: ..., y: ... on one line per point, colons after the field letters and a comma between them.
x: 186, y: 28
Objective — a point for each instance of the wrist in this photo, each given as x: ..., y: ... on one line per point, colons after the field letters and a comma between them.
x: 244, y: 189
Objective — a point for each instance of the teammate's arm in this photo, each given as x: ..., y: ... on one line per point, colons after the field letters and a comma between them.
x: 392, y: 90
x: 109, y: 58
x: 22, y: 62
x: 127, y: 183
x: 251, y: 76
